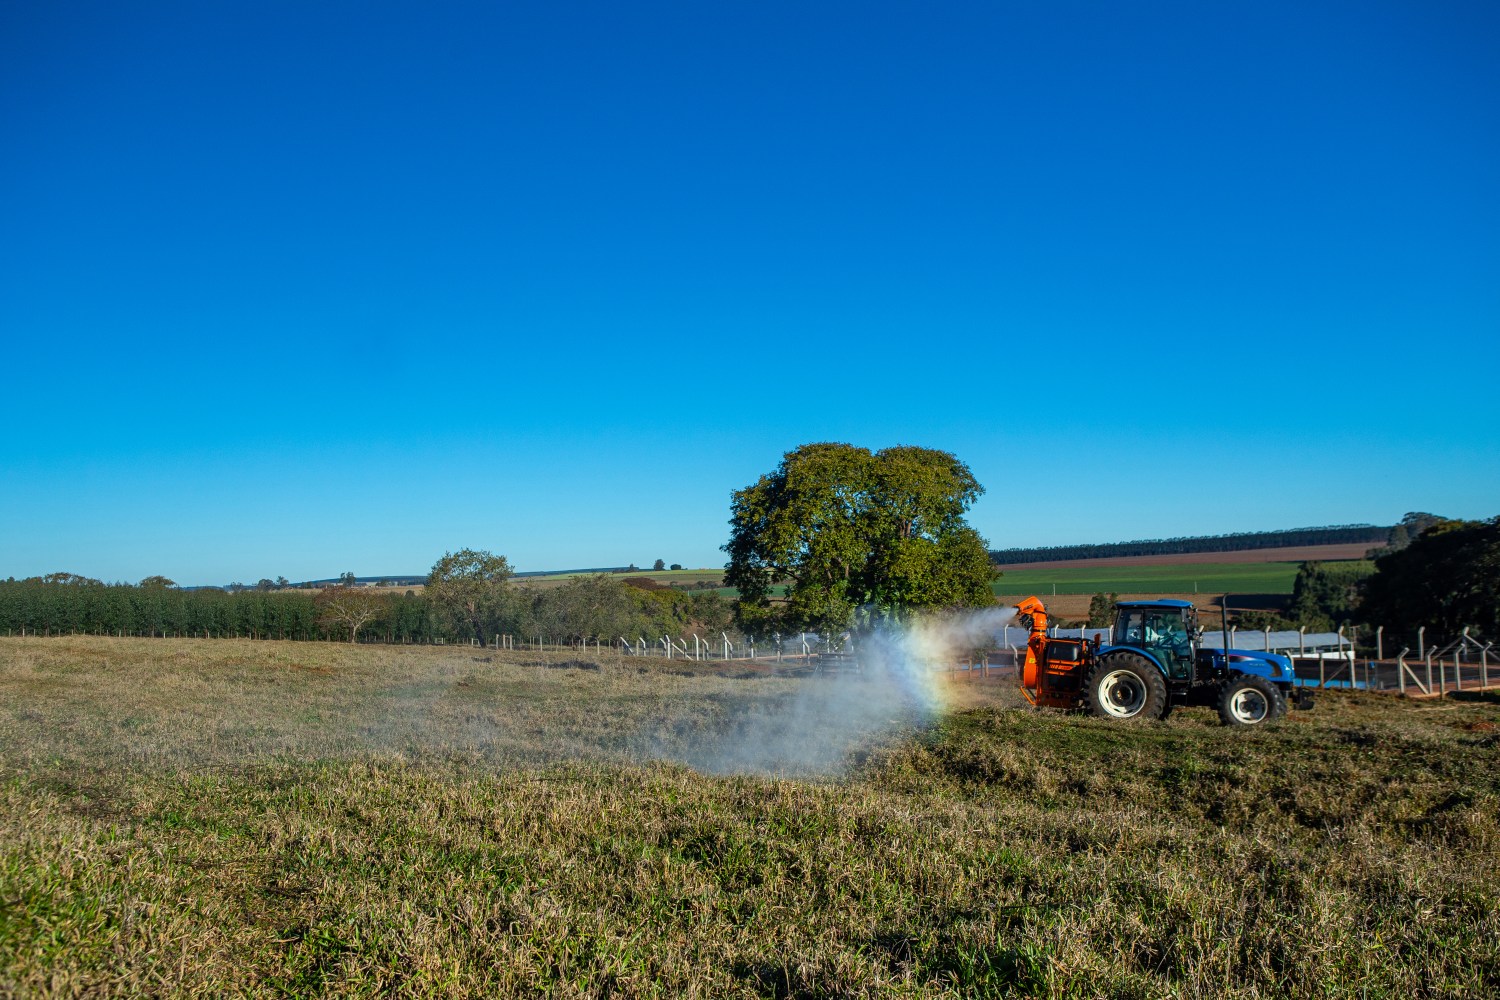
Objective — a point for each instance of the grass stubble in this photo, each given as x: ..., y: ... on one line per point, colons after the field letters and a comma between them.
x: 235, y: 818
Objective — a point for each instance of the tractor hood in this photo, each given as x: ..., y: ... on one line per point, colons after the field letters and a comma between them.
x: 1271, y: 666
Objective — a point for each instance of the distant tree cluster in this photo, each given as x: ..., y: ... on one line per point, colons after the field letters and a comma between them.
x: 1326, y: 595
x: 602, y: 606
x: 469, y: 595
x: 1405, y: 531
x: 1447, y: 578
x: 1435, y: 572
x: 44, y: 605
x: 1242, y: 542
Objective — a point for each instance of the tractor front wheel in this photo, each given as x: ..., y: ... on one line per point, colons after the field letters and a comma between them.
x: 1127, y: 686
x: 1250, y: 701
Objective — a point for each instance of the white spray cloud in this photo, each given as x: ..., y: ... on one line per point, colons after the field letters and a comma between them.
x: 899, y: 687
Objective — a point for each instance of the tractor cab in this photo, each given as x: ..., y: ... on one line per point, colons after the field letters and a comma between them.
x: 1163, y: 629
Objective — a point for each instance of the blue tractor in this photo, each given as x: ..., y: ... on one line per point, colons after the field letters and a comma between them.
x: 1153, y: 664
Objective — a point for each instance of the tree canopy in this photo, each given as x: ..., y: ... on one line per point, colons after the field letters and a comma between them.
x: 469, y: 593
x: 1326, y: 594
x: 1447, y: 578
x: 1411, y: 526
x: 854, y: 533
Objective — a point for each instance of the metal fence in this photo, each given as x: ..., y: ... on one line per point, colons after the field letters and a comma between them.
x: 686, y: 646
x: 1326, y: 660
x: 1319, y: 659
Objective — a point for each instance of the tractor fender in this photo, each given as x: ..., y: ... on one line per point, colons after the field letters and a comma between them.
x: 1104, y: 652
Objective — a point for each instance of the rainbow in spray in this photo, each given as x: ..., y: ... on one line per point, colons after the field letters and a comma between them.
x: 903, y: 684
x: 919, y: 655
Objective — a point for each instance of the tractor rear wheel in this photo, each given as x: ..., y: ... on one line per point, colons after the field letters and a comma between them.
x: 1127, y: 686
x: 1250, y: 701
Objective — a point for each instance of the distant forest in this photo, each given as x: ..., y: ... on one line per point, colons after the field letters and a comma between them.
x: 1336, y: 534
x: 587, y: 606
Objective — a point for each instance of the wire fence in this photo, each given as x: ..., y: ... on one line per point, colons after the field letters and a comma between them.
x: 1327, y: 660
x: 1324, y: 660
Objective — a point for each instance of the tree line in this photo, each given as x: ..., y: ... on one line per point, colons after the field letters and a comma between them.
x: 835, y: 537
x: 1338, y: 534
x: 468, y: 596
x: 1436, y: 572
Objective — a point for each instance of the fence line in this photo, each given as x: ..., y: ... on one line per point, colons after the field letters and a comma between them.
x: 1321, y: 660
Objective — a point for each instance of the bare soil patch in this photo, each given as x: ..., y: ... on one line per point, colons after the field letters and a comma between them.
x: 1297, y: 553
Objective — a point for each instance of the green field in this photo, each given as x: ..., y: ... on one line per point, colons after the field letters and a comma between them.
x: 1186, y: 578
x: 236, y: 818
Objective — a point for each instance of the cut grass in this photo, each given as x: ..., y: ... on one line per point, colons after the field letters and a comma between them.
x: 183, y: 817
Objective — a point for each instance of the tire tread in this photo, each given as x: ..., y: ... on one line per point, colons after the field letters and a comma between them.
x: 1156, y: 686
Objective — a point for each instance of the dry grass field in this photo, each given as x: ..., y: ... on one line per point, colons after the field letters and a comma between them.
x: 228, y: 818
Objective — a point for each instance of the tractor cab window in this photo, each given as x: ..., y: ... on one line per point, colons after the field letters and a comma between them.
x: 1163, y: 631
x: 1130, y: 627
x: 1165, y: 628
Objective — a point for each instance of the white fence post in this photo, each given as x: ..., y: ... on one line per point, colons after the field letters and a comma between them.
x: 1341, y: 656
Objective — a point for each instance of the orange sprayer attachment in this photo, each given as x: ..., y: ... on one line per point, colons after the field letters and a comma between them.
x: 1032, y: 614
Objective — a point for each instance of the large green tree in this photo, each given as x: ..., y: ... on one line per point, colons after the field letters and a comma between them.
x: 855, y: 534
x: 1446, y: 579
x: 470, y: 595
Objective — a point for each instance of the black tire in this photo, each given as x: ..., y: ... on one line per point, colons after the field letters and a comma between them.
x: 1127, y: 687
x: 1250, y: 701
x: 1283, y: 704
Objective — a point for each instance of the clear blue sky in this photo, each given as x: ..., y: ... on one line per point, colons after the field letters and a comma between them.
x: 293, y: 289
